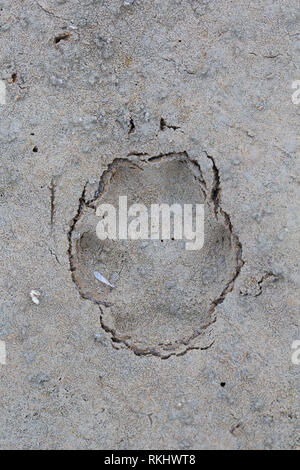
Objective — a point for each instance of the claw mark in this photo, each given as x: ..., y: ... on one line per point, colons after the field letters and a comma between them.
x: 54, y: 254
x: 52, y: 202
x: 131, y: 126
x: 163, y: 125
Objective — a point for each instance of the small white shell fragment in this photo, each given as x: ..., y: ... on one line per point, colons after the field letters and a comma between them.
x: 101, y: 278
x: 34, y: 294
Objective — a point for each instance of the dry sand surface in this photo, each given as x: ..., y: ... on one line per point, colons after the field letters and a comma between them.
x: 165, y: 101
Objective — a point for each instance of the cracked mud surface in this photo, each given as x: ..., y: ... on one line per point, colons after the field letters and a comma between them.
x: 165, y: 295
x: 94, y: 86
